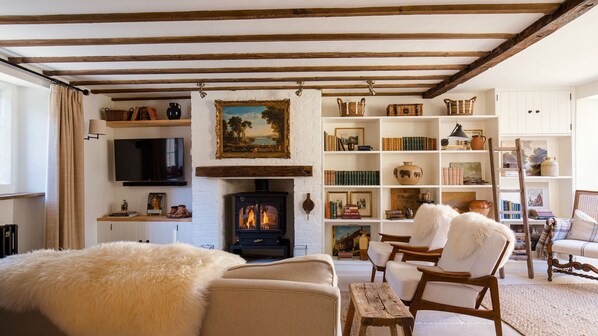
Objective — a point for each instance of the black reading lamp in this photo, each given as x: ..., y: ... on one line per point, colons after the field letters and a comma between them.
x: 456, y: 134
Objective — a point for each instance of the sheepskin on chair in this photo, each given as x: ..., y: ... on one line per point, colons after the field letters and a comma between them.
x: 470, y: 230
x: 121, y: 288
x: 429, y: 217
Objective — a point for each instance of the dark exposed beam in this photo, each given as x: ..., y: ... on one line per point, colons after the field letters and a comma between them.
x: 365, y: 94
x: 262, y: 87
x: 244, y: 56
x: 436, y: 67
x: 256, y: 80
x: 255, y: 14
x: 250, y: 38
x: 548, y: 24
x: 151, y: 98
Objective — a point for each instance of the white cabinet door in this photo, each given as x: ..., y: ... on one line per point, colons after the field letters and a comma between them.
x: 125, y: 231
x: 534, y: 112
x: 105, y: 232
x: 184, y: 232
x: 162, y: 233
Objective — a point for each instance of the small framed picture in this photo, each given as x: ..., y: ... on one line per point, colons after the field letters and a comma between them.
x: 537, y: 198
x: 470, y: 133
x: 363, y: 200
x: 156, y: 203
x: 340, y: 198
x: 350, y: 135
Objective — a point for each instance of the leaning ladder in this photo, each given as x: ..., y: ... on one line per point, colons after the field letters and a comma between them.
x: 496, y: 191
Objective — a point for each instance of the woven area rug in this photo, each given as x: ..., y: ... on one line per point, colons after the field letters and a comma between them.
x: 567, y: 309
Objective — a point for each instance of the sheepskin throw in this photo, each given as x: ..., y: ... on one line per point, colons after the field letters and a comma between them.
x: 121, y: 288
x: 430, y: 217
x: 470, y: 230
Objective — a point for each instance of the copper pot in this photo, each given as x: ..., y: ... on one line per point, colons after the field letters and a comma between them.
x: 480, y: 206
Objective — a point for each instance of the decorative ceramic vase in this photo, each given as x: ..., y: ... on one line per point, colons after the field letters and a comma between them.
x: 549, y: 167
x: 477, y: 142
x: 173, y: 111
x: 408, y: 173
x: 480, y: 206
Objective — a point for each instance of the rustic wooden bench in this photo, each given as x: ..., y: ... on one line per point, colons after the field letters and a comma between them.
x: 377, y: 305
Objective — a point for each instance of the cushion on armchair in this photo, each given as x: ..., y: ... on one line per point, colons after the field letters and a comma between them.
x: 583, y: 227
x: 314, y: 268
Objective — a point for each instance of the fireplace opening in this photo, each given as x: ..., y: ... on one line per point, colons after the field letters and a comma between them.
x: 260, y: 219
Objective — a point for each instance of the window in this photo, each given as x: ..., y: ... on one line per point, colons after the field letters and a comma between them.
x: 5, y: 139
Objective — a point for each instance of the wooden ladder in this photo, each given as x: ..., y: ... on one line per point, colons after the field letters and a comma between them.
x: 496, y: 191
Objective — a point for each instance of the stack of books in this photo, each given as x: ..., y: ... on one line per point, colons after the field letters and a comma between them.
x: 541, y: 214
x: 394, y: 214
x: 452, y: 175
x: 351, y: 212
x: 124, y: 214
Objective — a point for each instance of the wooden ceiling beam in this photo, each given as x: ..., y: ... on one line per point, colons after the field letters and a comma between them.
x: 255, y: 80
x: 548, y: 24
x: 257, y: 14
x: 252, y: 38
x: 365, y: 94
x: 340, y: 68
x: 243, y: 56
x: 151, y: 98
x: 263, y: 87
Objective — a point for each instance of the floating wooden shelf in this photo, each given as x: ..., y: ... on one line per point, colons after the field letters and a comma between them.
x: 149, y: 123
x: 142, y: 219
x: 254, y: 171
x: 21, y: 195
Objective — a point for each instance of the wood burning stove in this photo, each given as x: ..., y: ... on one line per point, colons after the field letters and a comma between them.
x: 260, y: 219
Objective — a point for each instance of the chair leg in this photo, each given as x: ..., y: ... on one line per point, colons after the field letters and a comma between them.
x: 496, y: 306
x: 373, y: 273
x: 549, y: 270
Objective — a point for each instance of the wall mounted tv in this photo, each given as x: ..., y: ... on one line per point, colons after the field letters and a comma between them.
x: 149, y: 162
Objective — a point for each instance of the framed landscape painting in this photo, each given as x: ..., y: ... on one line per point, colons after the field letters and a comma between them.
x: 350, y: 135
x: 252, y: 129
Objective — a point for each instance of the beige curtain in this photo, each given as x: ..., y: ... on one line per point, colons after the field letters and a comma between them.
x: 65, y: 225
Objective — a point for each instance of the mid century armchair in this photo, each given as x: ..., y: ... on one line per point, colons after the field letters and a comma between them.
x: 476, y: 247
x: 431, y: 223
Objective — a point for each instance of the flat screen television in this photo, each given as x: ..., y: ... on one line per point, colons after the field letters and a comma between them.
x: 149, y: 161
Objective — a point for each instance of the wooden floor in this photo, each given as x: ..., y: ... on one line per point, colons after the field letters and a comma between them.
x: 448, y: 324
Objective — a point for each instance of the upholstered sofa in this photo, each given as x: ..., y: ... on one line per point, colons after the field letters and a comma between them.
x: 292, y: 297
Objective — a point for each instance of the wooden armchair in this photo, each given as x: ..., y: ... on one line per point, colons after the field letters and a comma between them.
x: 465, y: 270
x: 431, y: 223
x: 575, y: 237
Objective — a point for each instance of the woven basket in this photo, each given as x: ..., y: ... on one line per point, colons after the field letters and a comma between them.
x: 459, y: 107
x: 117, y: 115
x: 351, y: 109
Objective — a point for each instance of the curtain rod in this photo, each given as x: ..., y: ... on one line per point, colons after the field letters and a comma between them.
x: 53, y: 80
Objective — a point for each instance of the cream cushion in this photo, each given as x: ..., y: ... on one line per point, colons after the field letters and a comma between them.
x: 403, y: 278
x: 583, y: 227
x: 314, y: 268
x: 379, y: 252
x: 580, y: 248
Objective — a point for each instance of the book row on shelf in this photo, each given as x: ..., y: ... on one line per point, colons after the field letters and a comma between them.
x: 510, y: 206
x: 357, y: 177
x: 452, y: 175
x: 409, y: 144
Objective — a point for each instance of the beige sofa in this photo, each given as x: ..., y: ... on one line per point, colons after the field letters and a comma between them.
x: 293, y: 297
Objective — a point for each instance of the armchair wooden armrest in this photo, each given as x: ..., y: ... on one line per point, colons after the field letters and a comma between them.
x: 404, y: 246
x: 420, y: 256
x: 437, y: 271
x: 394, y: 238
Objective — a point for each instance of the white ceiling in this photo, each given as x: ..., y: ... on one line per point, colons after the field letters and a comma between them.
x: 562, y: 59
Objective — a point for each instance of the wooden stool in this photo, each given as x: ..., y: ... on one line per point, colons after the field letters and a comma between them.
x: 377, y: 305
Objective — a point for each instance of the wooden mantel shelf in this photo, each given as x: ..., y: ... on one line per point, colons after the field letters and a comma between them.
x: 254, y: 171
x: 142, y: 219
x: 149, y: 123
x: 21, y: 195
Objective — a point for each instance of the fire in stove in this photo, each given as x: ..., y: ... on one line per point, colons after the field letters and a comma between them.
x: 247, y: 222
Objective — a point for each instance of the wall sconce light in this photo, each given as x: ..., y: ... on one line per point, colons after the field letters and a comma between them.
x: 202, y: 93
x: 371, y: 87
x: 97, y: 127
x: 300, y: 91
x: 456, y: 134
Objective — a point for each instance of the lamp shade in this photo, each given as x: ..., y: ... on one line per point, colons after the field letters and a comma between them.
x: 97, y: 126
x: 458, y: 134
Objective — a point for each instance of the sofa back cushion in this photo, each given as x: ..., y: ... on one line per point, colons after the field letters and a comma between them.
x: 583, y: 227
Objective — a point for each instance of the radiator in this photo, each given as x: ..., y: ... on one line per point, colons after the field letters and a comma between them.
x: 9, y: 240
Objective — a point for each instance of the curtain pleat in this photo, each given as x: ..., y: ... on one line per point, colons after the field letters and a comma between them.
x: 65, y: 224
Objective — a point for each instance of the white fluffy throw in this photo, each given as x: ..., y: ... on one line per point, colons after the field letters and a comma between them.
x: 430, y: 217
x: 122, y: 288
x: 470, y: 230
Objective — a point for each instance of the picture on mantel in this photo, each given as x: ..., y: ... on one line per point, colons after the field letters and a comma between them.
x: 252, y: 129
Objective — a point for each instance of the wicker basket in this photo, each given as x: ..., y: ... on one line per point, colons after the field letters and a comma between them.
x: 351, y: 109
x: 459, y: 107
x: 117, y: 115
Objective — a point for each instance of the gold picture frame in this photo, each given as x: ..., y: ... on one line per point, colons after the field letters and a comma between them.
x: 253, y: 129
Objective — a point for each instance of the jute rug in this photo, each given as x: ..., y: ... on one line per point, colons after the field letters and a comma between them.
x: 567, y: 309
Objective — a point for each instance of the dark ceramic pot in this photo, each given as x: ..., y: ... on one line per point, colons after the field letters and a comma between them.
x: 173, y: 111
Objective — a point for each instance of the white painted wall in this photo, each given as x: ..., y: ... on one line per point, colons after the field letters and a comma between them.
x: 306, y: 149
x: 585, y: 135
